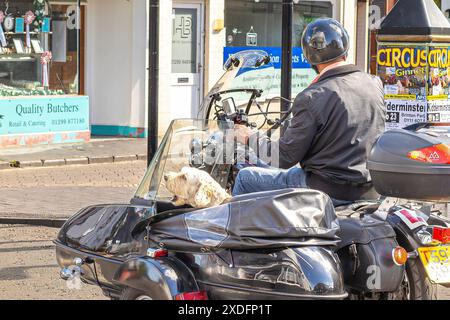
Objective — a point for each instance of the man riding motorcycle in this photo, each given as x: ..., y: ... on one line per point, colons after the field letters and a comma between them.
x: 335, y: 122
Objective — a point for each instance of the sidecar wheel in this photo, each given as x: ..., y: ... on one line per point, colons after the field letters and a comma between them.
x: 133, y: 294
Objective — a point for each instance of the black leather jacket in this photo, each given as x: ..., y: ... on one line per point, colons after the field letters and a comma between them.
x: 335, y: 123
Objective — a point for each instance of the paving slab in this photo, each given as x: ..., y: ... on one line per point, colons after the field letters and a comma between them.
x: 122, y: 158
x: 5, y: 165
x: 101, y: 159
x: 54, y: 163
x: 77, y: 161
x: 30, y: 164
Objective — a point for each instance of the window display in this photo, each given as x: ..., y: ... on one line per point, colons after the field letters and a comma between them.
x: 31, y: 32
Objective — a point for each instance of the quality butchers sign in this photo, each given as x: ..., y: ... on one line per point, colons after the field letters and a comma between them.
x: 40, y: 115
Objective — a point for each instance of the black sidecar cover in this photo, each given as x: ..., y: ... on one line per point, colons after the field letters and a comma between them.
x: 267, y: 220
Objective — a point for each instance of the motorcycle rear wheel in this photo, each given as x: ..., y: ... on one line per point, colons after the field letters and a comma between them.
x: 415, y: 285
x: 420, y: 285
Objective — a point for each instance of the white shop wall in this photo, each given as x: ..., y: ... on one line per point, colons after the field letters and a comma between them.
x: 116, y: 61
x: 348, y: 17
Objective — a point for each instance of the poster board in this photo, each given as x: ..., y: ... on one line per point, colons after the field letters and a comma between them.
x: 416, y: 79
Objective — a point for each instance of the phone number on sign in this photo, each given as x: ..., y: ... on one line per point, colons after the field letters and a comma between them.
x: 61, y: 122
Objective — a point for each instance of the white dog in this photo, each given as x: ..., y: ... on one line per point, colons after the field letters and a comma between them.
x: 196, y: 188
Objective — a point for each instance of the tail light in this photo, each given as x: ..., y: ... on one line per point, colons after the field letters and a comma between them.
x: 200, y: 295
x: 437, y: 154
x: 441, y: 235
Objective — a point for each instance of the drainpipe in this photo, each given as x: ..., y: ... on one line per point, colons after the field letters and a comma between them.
x: 286, y: 45
x: 153, y: 48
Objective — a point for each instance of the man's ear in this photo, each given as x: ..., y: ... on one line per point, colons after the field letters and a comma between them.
x: 203, y: 196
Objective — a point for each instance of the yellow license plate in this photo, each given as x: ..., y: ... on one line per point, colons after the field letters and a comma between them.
x: 436, y: 261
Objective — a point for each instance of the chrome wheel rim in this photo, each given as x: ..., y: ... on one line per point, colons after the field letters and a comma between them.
x: 404, y: 292
x: 406, y: 288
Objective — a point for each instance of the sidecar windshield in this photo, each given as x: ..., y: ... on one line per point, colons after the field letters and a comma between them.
x: 187, y: 143
x: 245, y: 72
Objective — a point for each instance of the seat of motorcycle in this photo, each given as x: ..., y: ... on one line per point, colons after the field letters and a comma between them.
x: 359, y: 207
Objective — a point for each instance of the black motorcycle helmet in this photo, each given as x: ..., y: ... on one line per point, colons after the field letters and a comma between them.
x: 324, y: 40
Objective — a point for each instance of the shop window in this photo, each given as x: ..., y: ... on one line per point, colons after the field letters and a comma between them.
x: 251, y: 24
x: 39, y: 48
x: 258, y: 23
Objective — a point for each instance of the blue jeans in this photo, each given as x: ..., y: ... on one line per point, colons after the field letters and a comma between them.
x: 254, y: 179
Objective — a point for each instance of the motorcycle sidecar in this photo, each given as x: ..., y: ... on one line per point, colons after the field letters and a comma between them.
x: 276, y: 245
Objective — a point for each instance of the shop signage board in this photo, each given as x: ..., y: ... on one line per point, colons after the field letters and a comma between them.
x: 416, y: 80
x: 44, y: 115
x: 302, y: 74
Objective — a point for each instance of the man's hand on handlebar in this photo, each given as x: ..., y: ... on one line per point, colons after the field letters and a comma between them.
x: 243, y: 133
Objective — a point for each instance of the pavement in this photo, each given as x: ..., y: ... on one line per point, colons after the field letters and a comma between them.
x: 98, y: 150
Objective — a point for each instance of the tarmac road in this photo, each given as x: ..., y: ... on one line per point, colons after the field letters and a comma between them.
x: 28, y: 268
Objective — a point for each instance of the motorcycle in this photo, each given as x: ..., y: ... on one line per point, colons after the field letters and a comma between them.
x: 285, y: 244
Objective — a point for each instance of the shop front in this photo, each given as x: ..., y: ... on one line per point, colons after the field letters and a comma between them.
x: 41, y: 73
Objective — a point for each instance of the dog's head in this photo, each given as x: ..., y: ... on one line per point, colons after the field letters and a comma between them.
x: 192, y: 186
x: 178, y: 185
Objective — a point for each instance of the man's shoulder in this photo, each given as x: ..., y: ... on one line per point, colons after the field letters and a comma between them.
x: 315, y: 94
x: 311, y: 92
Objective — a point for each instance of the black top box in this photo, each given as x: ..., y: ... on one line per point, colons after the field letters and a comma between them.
x: 413, y: 163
